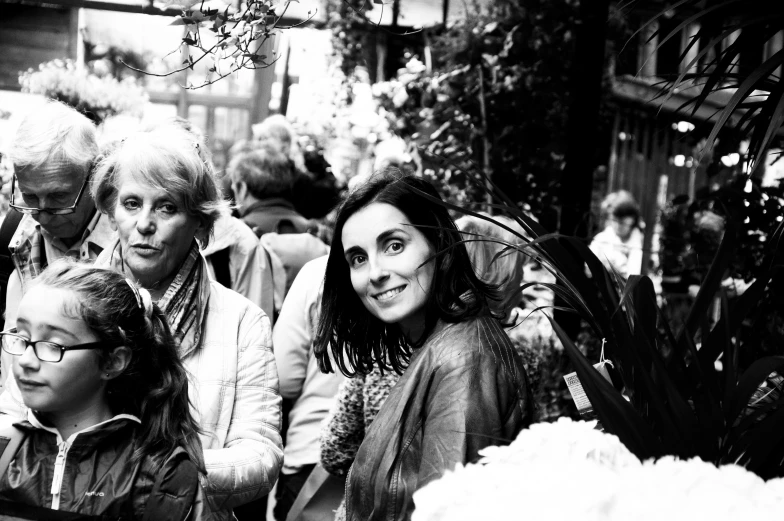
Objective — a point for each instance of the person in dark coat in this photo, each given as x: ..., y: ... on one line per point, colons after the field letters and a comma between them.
x: 262, y: 182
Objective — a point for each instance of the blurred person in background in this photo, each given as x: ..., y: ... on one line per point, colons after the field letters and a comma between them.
x: 6, y: 176
x: 315, y: 190
x: 309, y: 392
x: 619, y: 246
x: 262, y: 182
x: 497, y: 258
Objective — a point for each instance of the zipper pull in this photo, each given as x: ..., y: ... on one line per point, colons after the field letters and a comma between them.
x: 59, y: 468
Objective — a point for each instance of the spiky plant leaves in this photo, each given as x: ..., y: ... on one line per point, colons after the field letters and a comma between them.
x: 614, y: 412
x: 678, y: 402
x: 726, y: 31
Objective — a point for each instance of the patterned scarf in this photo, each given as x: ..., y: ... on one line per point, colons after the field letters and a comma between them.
x: 182, y: 302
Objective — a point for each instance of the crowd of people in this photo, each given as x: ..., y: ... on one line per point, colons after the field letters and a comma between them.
x: 175, y: 344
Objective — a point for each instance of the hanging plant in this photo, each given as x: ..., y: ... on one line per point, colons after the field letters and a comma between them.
x: 96, y: 97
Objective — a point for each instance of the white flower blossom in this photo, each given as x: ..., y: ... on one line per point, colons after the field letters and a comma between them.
x: 568, y: 470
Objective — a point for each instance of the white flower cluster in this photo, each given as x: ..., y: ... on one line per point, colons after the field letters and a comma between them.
x: 568, y: 470
x: 106, y: 96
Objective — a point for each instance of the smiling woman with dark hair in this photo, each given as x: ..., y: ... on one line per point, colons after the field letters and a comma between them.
x: 400, y: 294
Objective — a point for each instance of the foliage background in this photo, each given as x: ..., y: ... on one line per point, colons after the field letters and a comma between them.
x: 495, y: 99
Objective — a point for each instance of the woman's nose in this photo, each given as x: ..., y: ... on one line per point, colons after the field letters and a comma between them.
x: 145, y: 223
x: 378, y: 272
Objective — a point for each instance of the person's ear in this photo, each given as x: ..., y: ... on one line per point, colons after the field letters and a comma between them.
x: 118, y: 361
x: 240, y: 189
x: 202, y: 233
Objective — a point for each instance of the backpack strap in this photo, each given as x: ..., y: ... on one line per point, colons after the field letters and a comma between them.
x: 175, y: 488
x: 220, y: 265
x: 278, y: 276
x: 11, y: 439
x: 7, y: 230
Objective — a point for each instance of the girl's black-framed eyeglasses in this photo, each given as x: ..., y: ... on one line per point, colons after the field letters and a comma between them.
x: 15, y: 344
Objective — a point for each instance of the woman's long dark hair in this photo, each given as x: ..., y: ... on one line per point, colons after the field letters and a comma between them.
x: 154, y: 386
x: 359, y: 341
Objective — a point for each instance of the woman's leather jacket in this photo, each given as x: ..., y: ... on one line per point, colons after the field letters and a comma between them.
x: 464, y: 389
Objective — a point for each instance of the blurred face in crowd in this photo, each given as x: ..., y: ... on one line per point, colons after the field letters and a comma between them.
x: 389, y: 267
x: 622, y: 226
x: 56, y: 184
x: 155, y: 231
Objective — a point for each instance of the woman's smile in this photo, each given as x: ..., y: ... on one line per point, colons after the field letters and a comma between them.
x: 389, y: 294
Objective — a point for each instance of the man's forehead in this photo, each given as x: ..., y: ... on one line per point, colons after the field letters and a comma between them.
x: 53, y: 171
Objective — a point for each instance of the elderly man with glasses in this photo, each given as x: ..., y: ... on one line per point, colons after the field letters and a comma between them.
x: 53, y: 152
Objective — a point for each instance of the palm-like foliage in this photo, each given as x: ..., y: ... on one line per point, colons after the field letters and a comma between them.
x: 678, y: 403
x: 721, y: 59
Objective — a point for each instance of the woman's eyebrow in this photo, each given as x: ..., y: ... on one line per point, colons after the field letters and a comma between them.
x: 387, y: 233
x: 351, y: 251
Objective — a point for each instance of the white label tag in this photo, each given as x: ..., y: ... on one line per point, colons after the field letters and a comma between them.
x: 581, y: 400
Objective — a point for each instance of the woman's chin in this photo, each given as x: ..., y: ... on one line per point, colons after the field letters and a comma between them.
x: 146, y: 274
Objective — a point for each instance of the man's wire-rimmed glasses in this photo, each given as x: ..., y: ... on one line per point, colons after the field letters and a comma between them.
x: 52, y: 211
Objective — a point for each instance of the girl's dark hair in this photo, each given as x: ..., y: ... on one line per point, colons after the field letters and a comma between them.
x: 154, y: 386
x: 359, y: 341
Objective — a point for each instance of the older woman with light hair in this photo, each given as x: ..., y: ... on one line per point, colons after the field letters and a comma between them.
x: 162, y: 197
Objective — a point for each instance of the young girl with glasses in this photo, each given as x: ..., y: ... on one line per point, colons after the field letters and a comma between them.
x: 109, y: 431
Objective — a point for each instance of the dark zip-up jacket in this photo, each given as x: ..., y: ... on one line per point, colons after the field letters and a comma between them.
x: 91, y: 473
x: 464, y: 389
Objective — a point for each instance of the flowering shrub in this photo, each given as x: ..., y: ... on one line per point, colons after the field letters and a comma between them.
x: 569, y: 470
x: 97, y: 97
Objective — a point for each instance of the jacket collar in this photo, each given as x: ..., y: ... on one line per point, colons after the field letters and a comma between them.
x: 225, y: 233
x: 264, y: 204
x: 100, y: 429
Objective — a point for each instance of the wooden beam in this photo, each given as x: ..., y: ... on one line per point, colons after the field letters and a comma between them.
x: 644, y: 92
x: 145, y: 8
x: 199, y: 98
x: 262, y: 87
